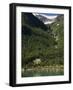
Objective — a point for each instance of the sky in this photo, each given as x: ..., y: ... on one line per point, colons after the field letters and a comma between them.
x: 49, y: 14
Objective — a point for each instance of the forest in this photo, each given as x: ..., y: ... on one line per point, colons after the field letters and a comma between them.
x: 42, y: 46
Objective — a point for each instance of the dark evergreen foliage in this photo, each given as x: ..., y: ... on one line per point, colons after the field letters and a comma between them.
x: 42, y: 41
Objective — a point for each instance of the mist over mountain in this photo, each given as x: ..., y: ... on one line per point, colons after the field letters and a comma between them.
x: 46, y: 19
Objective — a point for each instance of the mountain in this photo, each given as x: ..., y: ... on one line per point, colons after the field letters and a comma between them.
x: 36, y: 40
x: 58, y: 31
x: 39, y: 39
x: 31, y: 20
x: 46, y: 19
x: 60, y: 18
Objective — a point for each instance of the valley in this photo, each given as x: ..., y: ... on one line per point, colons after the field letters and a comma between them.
x: 42, y: 45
